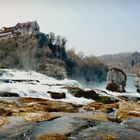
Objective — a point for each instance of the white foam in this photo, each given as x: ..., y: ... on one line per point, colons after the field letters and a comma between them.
x: 38, y: 90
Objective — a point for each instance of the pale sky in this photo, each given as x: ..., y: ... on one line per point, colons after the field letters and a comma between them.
x: 91, y: 26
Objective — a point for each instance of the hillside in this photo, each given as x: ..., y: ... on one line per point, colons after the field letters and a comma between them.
x: 126, y: 61
x: 47, y: 54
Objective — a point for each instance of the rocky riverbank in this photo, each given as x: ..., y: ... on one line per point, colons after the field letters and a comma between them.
x: 37, y: 107
x: 41, y: 119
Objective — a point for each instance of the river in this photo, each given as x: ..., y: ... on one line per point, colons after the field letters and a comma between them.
x: 130, y: 85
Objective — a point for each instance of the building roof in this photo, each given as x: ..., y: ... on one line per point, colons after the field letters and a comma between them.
x: 6, y: 29
x: 22, y: 25
x: 17, y: 26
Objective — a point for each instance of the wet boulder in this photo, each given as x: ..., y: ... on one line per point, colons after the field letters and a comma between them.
x: 116, y: 80
x: 56, y: 95
x: 137, y: 83
x: 78, y: 92
x: 137, y: 78
x: 8, y: 94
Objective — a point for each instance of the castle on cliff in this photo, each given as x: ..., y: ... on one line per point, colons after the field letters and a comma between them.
x: 26, y: 28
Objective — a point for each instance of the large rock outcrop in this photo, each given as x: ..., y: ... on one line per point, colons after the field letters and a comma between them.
x: 137, y: 83
x: 137, y: 79
x: 116, y: 80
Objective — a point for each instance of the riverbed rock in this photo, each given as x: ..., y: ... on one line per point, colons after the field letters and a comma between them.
x: 127, y: 110
x: 108, y: 131
x: 133, y: 123
x: 78, y: 92
x: 17, y: 129
x: 3, y: 120
x: 65, y: 125
x: 93, y: 106
x: 95, y: 95
x: 102, y: 107
x: 8, y: 94
x: 137, y: 83
x: 116, y: 80
x: 36, y: 104
x: 56, y: 95
x: 53, y: 136
x: 37, y: 117
x: 7, y: 108
x: 97, y: 116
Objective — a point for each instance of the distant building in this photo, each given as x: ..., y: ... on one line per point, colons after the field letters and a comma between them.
x: 27, y: 28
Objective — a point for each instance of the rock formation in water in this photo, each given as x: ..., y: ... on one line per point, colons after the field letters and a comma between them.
x: 137, y: 79
x: 116, y: 80
x: 137, y: 83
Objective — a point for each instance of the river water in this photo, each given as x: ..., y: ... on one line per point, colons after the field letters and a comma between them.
x: 130, y: 85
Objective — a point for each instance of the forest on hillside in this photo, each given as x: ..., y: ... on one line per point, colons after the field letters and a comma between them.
x: 47, y: 53
x: 128, y: 62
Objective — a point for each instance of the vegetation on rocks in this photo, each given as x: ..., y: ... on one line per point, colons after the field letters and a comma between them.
x: 46, y: 53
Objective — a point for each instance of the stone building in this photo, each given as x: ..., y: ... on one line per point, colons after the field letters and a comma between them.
x: 27, y: 28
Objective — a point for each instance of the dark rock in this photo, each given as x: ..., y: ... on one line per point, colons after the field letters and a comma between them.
x: 77, y: 92
x: 116, y: 80
x: 56, y: 95
x: 138, y: 90
x: 91, y: 94
x: 137, y: 83
x: 8, y: 94
x: 107, y: 99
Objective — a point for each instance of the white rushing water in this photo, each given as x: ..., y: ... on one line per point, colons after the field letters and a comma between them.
x: 130, y: 87
x: 38, y: 86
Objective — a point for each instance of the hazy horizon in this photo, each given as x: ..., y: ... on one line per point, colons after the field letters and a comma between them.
x: 94, y: 27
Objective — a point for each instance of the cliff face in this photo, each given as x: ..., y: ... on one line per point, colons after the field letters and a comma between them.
x: 126, y: 61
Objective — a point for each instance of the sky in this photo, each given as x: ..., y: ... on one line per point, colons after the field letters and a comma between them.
x: 94, y: 27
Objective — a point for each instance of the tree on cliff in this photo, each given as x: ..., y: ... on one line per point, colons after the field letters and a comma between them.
x: 46, y: 53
